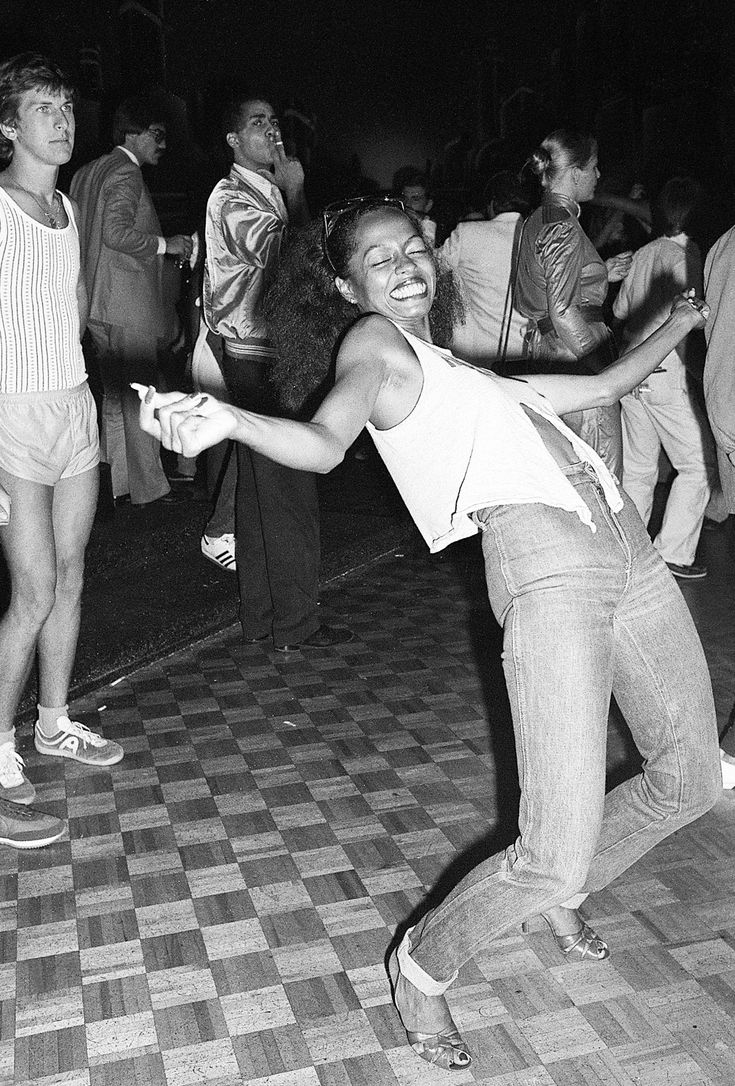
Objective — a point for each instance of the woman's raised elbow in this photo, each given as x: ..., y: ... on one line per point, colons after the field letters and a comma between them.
x: 330, y: 459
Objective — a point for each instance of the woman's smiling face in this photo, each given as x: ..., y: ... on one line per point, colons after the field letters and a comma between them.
x: 391, y: 270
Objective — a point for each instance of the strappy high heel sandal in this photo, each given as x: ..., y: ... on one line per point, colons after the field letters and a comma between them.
x: 444, y: 1049
x: 584, y: 944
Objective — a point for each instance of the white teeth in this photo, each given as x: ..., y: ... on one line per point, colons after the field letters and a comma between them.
x: 410, y: 290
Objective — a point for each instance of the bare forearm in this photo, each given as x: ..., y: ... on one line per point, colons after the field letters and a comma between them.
x: 641, y: 361
x: 577, y: 393
x: 307, y: 446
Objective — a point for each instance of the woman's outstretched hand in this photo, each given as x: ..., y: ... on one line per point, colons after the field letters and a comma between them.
x: 688, y: 304
x: 185, y: 424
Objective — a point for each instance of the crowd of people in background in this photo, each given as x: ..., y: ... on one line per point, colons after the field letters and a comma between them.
x: 544, y: 288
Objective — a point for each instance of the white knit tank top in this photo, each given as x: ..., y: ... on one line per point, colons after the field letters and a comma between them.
x: 39, y: 314
x: 468, y: 443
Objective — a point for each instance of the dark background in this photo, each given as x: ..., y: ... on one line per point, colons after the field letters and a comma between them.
x: 458, y: 88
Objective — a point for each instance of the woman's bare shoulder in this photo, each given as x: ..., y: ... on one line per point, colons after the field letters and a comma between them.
x: 370, y: 327
x: 375, y: 335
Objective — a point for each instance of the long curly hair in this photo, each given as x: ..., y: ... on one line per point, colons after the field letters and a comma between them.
x: 308, y: 317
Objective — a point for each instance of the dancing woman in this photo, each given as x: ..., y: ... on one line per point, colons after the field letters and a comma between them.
x: 587, y: 605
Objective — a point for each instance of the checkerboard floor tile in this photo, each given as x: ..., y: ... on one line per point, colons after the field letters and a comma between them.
x: 221, y: 910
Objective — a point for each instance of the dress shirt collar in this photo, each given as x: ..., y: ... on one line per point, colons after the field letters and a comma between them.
x: 262, y: 182
x: 130, y: 154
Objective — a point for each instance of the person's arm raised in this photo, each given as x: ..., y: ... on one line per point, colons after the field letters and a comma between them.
x: 288, y: 174
x: 577, y: 393
x: 190, y: 424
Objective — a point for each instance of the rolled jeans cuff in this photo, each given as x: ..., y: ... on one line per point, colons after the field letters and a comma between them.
x: 415, y: 975
x: 574, y: 902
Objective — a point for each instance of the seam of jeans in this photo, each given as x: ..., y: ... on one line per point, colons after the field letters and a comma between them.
x: 659, y: 687
x: 616, y: 528
x: 674, y: 744
x: 438, y: 912
x: 626, y: 549
x: 509, y: 647
x: 491, y: 530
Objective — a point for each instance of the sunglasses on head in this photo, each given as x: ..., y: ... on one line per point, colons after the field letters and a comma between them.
x: 334, y: 212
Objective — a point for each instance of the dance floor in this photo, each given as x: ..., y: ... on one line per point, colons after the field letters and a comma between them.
x: 221, y: 909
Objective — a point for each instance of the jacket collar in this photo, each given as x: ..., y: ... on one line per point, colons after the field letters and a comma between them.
x: 129, y: 154
x: 562, y: 201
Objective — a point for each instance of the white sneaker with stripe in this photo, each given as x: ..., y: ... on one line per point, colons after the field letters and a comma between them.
x: 220, y: 549
x: 75, y: 741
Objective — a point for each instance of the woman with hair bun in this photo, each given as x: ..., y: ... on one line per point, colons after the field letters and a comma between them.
x: 562, y: 282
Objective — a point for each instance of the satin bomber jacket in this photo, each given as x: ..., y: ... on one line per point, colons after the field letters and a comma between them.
x: 559, y: 272
x: 246, y: 221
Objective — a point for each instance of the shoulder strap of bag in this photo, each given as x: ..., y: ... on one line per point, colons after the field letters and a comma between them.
x: 510, y: 296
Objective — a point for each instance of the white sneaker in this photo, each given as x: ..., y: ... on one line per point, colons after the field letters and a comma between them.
x: 76, y: 741
x: 220, y: 549
x: 727, y: 765
x: 14, y: 785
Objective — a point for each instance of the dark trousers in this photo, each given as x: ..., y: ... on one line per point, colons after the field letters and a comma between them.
x: 276, y: 526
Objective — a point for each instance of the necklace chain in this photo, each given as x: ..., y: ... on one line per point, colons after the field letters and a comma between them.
x: 51, y: 217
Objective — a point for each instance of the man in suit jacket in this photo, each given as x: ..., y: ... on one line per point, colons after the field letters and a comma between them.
x: 122, y: 252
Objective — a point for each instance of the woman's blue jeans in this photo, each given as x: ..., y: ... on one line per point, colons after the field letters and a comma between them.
x: 585, y: 615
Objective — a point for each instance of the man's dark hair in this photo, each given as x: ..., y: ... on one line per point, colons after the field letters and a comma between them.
x: 135, y: 115
x: 409, y: 175
x: 25, y: 72
x: 675, y: 206
x: 506, y: 193
x: 234, y: 107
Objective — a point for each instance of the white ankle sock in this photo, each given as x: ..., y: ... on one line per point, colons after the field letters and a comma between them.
x: 48, y: 717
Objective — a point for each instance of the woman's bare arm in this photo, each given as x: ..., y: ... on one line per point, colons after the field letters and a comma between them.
x: 190, y: 424
x: 576, y: 393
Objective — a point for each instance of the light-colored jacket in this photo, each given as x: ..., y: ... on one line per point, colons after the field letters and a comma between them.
x: 246, y: 221
x: 481, y: 254
x: 660, y: 271
x: 119, y: 236
x: 719, y: 369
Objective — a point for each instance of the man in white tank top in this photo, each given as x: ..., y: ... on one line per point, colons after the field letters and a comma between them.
x: 49, y: 449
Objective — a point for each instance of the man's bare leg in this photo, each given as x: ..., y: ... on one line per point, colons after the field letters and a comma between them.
x: 73, y: 509
x: 74, y: 504
x: 29, y: 549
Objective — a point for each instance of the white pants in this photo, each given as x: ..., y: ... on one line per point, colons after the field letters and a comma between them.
x: 652, y: 421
